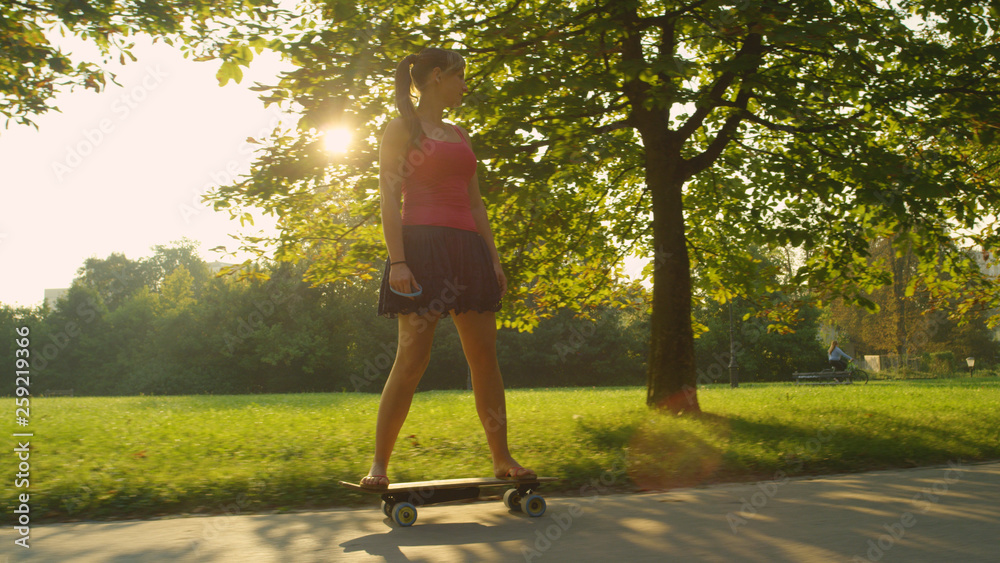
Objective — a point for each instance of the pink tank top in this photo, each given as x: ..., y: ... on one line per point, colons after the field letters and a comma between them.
x: 436, y: 188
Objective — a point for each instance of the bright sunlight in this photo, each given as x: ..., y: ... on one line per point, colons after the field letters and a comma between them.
x: 337, y: 139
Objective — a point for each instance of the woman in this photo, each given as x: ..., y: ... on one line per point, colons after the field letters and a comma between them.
x: 442, y: 257
x: 836, y: 356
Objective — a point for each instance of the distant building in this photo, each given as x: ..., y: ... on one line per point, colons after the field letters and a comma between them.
x: 988, y: 263
x: 216, y: 267
x: 53, y: 295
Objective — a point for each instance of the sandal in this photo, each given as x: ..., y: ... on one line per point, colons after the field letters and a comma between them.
x: 378, y: 486
x: 518, y: 474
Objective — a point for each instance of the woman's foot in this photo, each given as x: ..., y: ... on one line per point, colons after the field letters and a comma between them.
x: 375, y: 481
x: 376, y: 478
x: 513, y: 472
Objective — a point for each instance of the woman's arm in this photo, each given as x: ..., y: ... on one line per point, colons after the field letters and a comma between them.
x: 482, y: 220
x: 390, y: 184
x: 840, y: 354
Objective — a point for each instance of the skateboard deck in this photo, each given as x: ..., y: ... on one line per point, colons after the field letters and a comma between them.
x: 400, y: 500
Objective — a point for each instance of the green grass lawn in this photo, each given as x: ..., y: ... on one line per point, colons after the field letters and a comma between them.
x: 143, y: 456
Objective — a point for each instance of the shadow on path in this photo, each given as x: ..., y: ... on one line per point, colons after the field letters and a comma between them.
x: 945, y: 513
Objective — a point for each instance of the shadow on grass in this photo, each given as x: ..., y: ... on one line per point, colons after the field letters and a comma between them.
x: 663, y: 452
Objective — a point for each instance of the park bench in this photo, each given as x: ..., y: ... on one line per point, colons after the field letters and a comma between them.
x: 827, y: 377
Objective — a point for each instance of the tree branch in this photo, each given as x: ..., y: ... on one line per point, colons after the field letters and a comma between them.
x: 570, y: 248
x: 513, y: 8
x: 626, y: 123
x: 750, y: 116
x: 751, y: 47
x: 547, y: 36
x: 635, y: 90
x: 668, y: 18
x: 600, y: 130
x: 667, y: 50
x: 714, y: 150
x: 576, y: 116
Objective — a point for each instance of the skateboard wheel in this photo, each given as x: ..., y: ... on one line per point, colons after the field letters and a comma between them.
x: 387, y: 509
x: 512, y: 500
x: 404, y: 513
x: 534, y: 505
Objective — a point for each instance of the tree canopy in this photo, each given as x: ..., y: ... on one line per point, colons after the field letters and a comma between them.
x: 34, y: 67
x: 683, y: 131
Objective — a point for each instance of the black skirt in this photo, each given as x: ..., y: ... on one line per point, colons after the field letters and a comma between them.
x: 454, y: 270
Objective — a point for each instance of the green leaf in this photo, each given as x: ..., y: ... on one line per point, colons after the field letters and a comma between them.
x: 229, y: 71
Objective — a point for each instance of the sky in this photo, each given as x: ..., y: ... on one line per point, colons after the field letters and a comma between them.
x: 124, y: 170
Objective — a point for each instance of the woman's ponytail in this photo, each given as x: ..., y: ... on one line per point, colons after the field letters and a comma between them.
x: 404, y: 99
x: 409, y: 81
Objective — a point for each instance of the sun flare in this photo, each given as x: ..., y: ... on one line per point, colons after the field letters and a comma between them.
x: 337, y: 139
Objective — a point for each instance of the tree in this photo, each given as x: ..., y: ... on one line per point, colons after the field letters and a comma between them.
x: 769, y: 346
x: 34, y: 68
x: 884, y: 326
x: 685, y: 130
x: 181, y: 253
x: 906, y: 319
x: 12, y: 322
x: 115, y: 278
x: 761, y: 355
x: 177, y: 293
x: 71, y: 339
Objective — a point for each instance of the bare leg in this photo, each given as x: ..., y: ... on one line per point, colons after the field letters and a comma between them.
x: 478, y: 332
x: 413, y: 352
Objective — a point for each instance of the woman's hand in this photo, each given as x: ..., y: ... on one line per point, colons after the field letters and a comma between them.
x: 501, y: 278
x: 401, y: 279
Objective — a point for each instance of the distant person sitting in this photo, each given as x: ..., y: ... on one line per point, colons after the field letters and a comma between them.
x: 837, y: 357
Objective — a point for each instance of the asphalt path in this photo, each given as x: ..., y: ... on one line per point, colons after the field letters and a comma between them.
x: 944, y: 513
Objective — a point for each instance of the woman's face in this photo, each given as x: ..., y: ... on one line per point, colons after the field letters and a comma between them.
x: 452, y: 87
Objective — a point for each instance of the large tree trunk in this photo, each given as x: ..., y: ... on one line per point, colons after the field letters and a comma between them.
x: 671, y: 382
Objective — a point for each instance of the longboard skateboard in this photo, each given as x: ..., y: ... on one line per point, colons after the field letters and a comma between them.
x: 400, y: 500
